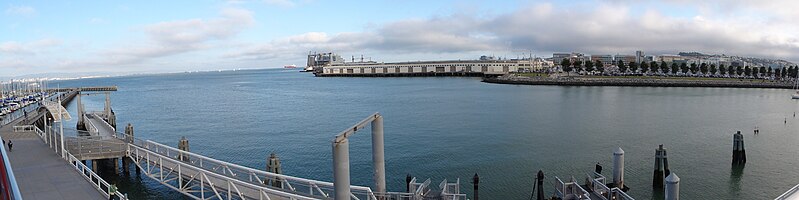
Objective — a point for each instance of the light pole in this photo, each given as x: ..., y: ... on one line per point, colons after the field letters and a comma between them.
x: 61, y: 126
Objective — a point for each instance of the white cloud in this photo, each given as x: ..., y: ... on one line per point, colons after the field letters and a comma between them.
x: 281, y: 3
x: 171, y: 38
x: 607, y: 28
x: 19, y: 48
x: 25, y: 11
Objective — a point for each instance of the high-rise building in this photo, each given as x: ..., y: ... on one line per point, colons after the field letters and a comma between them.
x: 639, y: 56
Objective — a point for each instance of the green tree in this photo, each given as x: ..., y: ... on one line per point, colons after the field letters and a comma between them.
x: 566, y: 65
x: 739, y: 70
x: 653, y: 67
x: 784, y: 72
x: 722, y: 69
x: 703, y: 68
x: 769, y: 72
x: 622, y: 67
x: 664, y: 67
x: 694, y: 69
x: 644, y: 67
x: 762, y: 71
x: 674, y: 68
x: 634, y: 67
x: 747, y: 71
x: 589, y: 66
x: 577, y: 65
x: 713, y: 69
x: 599, y: 66
x: 777, y: 73
x: 684, y: 68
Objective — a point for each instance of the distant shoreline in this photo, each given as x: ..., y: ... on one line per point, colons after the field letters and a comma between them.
x: 641, y: 82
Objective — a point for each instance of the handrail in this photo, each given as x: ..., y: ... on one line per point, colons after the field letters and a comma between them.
x: 248, y: 174
x: 788, y: 193
x: 205, y: 175
x: 91, y: 177
x: 9, y: 181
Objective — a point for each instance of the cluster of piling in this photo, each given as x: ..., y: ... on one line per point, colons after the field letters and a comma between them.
x: 661, y: 167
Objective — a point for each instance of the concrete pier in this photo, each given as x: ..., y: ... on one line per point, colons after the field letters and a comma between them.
x: 738, y: 151
x: 673, y: 187
x: 661, y: 167
x: 618, y: 168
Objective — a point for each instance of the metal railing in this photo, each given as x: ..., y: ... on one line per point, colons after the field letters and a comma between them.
x: 8, y: 182
x: 200, y: 183
x: 98, y: 182
x: 95, y: 147
x: 788, y: 194
x: 570, y: 188
x: 305, y: 187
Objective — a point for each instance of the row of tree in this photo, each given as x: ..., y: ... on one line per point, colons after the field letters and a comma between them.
x: 683, y: 68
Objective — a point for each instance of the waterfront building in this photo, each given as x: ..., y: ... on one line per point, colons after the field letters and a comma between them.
x: 605, y: 59
x: 625, y: 58
x: 424, y: 68
x: 573, y: 56
x: 669, y: 58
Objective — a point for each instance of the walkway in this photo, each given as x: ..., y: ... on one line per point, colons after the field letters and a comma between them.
x: 41, y: 174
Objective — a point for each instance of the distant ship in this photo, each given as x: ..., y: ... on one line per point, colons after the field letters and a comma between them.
x: 290, y: 66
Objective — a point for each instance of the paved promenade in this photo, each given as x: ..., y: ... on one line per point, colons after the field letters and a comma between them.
x: 41, y: 174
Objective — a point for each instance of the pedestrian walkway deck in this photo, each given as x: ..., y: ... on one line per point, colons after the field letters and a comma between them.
x: 41, y: 174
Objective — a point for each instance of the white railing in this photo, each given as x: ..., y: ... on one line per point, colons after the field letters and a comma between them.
x: 619, y: 194
x: 291, y: 184
x: 788, y: 194
x: 564, y: 189
x: 200, y: 183
x: 10, y: 188
x: 24, y: 128
x: 91, y: 127
x: 451, y: 191
x: 98, y: 182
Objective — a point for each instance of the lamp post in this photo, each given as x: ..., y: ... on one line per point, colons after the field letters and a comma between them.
x: 61, y: 126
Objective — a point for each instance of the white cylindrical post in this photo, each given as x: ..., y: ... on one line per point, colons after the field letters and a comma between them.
x: 618, y: 168
x: 378, y: 158
x: 341, y: 169
x: 673, y: 187
x: 61, y: 125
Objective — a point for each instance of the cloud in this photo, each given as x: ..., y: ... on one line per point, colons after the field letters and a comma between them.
x: 171, y: 38
x: 28, y: 48
x: 25, y: 11
x: 606, y: 28
x: 281, y: 3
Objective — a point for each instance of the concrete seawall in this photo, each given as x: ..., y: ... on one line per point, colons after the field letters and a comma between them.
x: 633, y: 82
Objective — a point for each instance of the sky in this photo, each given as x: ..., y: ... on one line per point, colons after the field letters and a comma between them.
x: 173, y: 36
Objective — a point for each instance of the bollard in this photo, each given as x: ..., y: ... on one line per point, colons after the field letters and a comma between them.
x: 618, y: 168
x: 408, y: 180
x: 661, y: 167
x: 476, y: 182
x: 129, y: 133
x: 672, y: 187
x: 183, y: 144
x: 273, y: 165
x: 540, y: 182
x: 738, y: 151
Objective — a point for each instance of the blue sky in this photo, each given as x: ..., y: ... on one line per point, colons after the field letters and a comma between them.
x: 171, y: 36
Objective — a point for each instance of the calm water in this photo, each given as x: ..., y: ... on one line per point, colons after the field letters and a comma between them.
x: 454, y: 127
